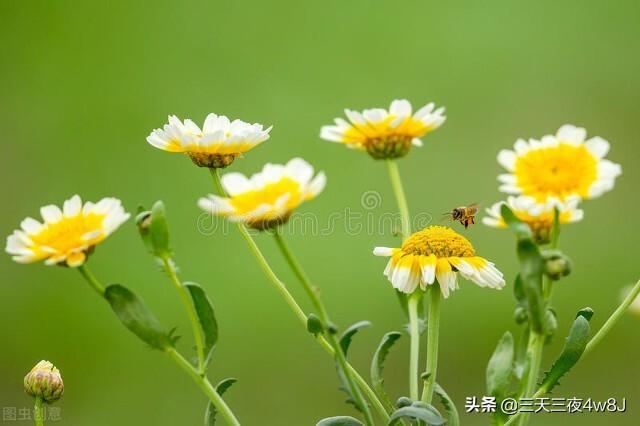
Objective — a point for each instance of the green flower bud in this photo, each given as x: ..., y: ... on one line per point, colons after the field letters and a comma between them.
x: 44, y: 381
x: 403, y: 401
x: 557, y: 264
x: 521, y: 315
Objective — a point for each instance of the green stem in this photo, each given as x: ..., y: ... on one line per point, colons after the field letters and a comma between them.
x: 38, y: 412
x: 433, y: 326
x: 414, y: 352
x: 204, y: 384
x: 534, y: 360
x: 91, y: 279
x: 312, y: 292
x: 200, y: 379
x: 401, y: 199
x: 302, y: 317
x: 613, y: 319
x: 169, y: 267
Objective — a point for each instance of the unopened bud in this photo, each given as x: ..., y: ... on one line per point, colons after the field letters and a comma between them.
x: 556, y: 264
x: 44, y: 381
x: 403, y: 401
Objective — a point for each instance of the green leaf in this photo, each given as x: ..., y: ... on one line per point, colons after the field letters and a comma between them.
x: 159, y: 230
x: 418, y: 411
x: 500, y: 367
x: 206, y: 318
x: 136, y: 317
x: 520, y: 228
x: 448, y: 404
x: 345, y: 339
x: 531, y: 270
x: 314, y: 325
x: 573, y: 348
x: 339, y: 421
x: 211, y: 411
x: 377, y: 364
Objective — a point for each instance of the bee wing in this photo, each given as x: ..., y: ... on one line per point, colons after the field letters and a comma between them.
x: 446, y: 216
x: 473, y: 208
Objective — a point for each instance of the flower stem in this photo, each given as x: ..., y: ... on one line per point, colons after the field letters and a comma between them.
x: 613, y: 319
x: 312, y: 292
x: 91, y: 279
x: 401, y: 199
x: 433, y: 327
x: 38, y: 413
x: 534, y: 358
x: 204, y: 384
x: 414, y: 352
x: 169, y: 266
x: 297, y: 310
x: 200, y: 379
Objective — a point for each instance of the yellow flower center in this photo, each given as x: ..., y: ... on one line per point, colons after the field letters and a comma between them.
x: 556, y: 171
x: 364, y: 134
x: 269, y: 194
x: 67, y: 234
x: 440, y: 241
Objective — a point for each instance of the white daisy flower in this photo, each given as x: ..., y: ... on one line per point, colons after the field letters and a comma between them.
x: 559, y: 167
x: 66, y: 236
x: 437, y: 253
x: 382, y: 133
x: 539, y: 216
x: 216, y: 145
x: 267, y: 198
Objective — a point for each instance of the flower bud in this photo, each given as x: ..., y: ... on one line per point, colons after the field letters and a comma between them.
x: 403, y: 401
x: 556, y: 264
x: 44, y: 381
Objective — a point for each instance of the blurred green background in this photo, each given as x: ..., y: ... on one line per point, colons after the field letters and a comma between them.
x: 83, y: 83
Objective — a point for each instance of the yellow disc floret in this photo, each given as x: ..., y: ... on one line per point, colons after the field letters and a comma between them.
x: 440, y: 241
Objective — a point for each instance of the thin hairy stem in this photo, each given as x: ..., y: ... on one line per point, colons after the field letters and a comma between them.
x: 433, y: 331
x: 169, y: 266
x: 38, y: 412
x: 401, y: 199
x: 414, y: 351
x: 91, y: 279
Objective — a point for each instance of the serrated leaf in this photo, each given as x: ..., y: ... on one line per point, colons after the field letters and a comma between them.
x: 500, y: 366
x: 424, y: 412
x: 340, y: 421
x: 448, y: 404
x: 159, y: 230
x: 211, y: 411
x: 377, y: 364
x: 314, y: 325
x: 136, y: 317
x: 573, y: 348
x: 206, y: 318
x: 345, y: 338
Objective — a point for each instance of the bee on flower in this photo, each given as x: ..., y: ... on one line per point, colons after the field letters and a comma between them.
x: 266, y: 199
x: 216, y: 145
x: 437, y: 253
x: 539, y: 216
x: 559, y: 167
x: 66, y: 236
x: 385, y: 133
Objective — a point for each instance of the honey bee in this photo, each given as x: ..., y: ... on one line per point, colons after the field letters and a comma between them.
x: 463, y: 214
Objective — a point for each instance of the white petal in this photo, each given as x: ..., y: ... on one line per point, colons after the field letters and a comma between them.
x: 597, y: 146
x: 571, y: 134
x: 507, y: 159
x: 72, y: 206
x: 383, y: 251
x: 51, y: 213
x: 317, y: 184
x: 236, y: 183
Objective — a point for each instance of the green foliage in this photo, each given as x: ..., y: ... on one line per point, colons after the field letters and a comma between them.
x: 159, y: 231
x: 211, y: 411
x: 500, y: 367
x: 136, y: 317
x: 418, y: 411
x: 377, y: 364
x: 345, y: 338
x: 573, y: 348
x: 531, y: 269
x: 448, y: 404
x: 339, y: 421
x: 206, y: 318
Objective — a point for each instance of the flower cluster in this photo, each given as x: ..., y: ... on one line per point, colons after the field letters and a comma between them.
x: 553, y: 173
